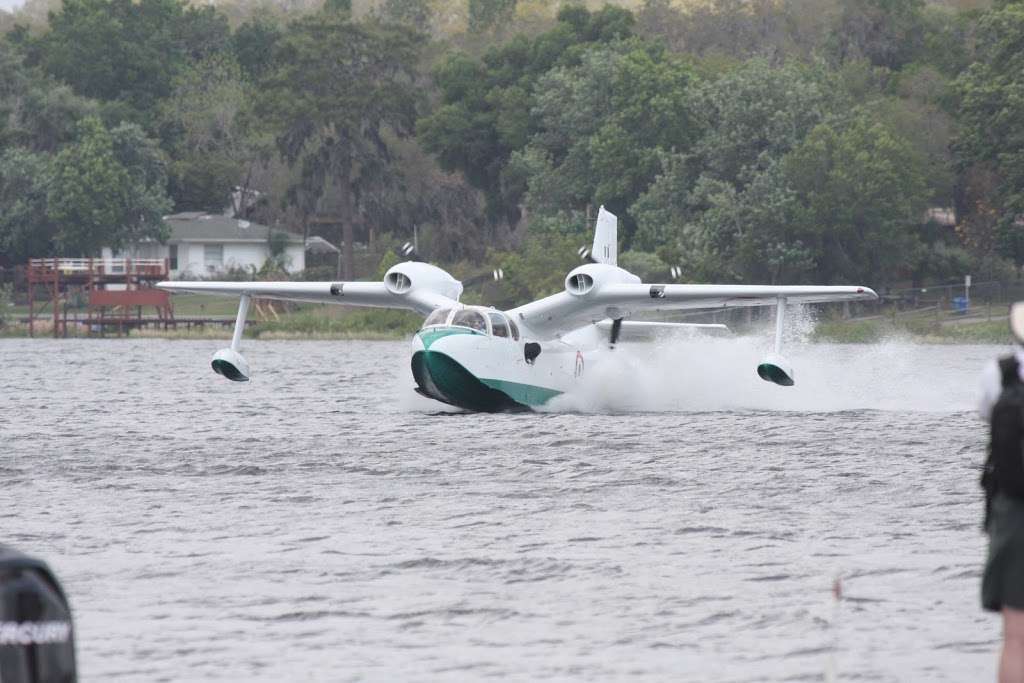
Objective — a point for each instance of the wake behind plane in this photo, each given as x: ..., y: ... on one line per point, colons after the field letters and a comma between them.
x: 484, y: 359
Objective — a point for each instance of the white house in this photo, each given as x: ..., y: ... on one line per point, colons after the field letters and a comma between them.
x: 205, y: 245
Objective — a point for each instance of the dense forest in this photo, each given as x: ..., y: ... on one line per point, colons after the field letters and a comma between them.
x: 771, y: 141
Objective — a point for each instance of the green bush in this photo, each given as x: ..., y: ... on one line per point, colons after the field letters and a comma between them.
x: 6, y: 301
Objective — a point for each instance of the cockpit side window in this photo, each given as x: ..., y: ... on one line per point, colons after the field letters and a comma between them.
x: 474, y: 320
x: 498, y: 326
x: 438, y: 317
x: 515, y: 329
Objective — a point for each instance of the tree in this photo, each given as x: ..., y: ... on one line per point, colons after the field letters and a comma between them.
x: 844, y: 204
x: 107, y: 189
x: 253, y: 44
x: 743, y: 234
x: 602, y: 127
x: 887, y: 33
x: 486, y: 14
x: 739, y: 29
x: 785, y: 186
x: 203, y: 32
x: 128, y: 51
x: 991, y: 129
x: 861, y: 193
x: 26, y: 230
x: 202, y: 126
x: 484, y: 114
x: 35, y: 111
x: 920, y: 119
x: 748, y: 120
x: 415, y: 13
x: 756, y: 114
x: 536, y: 270
x: 339, y: 89
x: 948, y: 38
x: 447, y: 213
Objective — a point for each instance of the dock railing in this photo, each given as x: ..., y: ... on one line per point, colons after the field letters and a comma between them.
x: 42, y: 268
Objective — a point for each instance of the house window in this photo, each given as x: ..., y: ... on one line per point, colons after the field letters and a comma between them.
x: 172, y: 253
x: 213, y: 256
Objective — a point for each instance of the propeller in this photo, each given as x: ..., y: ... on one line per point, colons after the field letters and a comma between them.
x: 616, y: 329
x: 408, y: 250
x: 497, y: 275
x: 585, y: 255
x: 677, y: 272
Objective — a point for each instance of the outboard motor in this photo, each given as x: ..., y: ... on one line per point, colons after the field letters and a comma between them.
x: 37, y: 642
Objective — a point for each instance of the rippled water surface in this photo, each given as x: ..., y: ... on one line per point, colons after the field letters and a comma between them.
x: 676, y: 519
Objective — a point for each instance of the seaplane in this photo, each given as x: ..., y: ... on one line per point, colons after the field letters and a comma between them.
x: 482, y: 359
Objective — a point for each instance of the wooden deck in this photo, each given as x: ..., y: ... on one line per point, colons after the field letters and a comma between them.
x: 132, y: 280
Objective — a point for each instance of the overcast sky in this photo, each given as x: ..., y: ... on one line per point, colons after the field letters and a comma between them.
x: 11, y: 4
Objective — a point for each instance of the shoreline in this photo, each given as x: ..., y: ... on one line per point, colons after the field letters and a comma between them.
x: 857, y: 331
x: 21, y: 332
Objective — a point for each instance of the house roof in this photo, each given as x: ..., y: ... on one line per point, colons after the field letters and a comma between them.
x: 196, y: 226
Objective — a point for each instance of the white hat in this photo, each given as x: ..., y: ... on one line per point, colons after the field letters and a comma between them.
x: 1017, y: 321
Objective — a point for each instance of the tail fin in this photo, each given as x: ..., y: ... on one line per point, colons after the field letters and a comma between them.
x: 605, y: 238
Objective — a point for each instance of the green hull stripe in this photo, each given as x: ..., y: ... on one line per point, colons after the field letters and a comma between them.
x: 527, y: 394
x: 443, y: 378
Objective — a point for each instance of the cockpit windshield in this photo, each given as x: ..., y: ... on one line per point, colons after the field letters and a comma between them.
x: 486, y: 321
x: 438, y: 317
x: 470, y: 318
x: 499, y: 328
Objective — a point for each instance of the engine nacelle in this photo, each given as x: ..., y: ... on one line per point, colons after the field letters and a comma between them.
x: 592, y: 276
x: 776, y: 369
x: 404, y: 277
x: 231, y: 364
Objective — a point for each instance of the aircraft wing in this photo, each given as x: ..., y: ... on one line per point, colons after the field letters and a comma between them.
x: 342, y: 293
x: 563, y: 312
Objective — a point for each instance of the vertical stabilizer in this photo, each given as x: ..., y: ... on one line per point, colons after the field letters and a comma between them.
x: 605, y: 238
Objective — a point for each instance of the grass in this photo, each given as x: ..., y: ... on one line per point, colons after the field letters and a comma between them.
x: 185, y: 306
x: 914, y: 329
x: 361, y: 323
x: 304, y: 322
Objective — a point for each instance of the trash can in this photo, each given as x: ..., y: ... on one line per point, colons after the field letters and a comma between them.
x: 960, y: 305
x: 37, y: 643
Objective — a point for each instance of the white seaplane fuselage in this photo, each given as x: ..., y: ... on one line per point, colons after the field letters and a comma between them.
x: 481, y: 359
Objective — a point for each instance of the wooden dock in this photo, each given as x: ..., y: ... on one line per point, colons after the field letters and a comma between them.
x: 114, y: 287
x: 121, y: 324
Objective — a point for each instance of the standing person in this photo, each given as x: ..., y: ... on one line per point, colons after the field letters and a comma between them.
x: 1002, y: 587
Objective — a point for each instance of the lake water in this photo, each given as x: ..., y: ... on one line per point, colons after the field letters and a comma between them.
x: 677, y: 519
